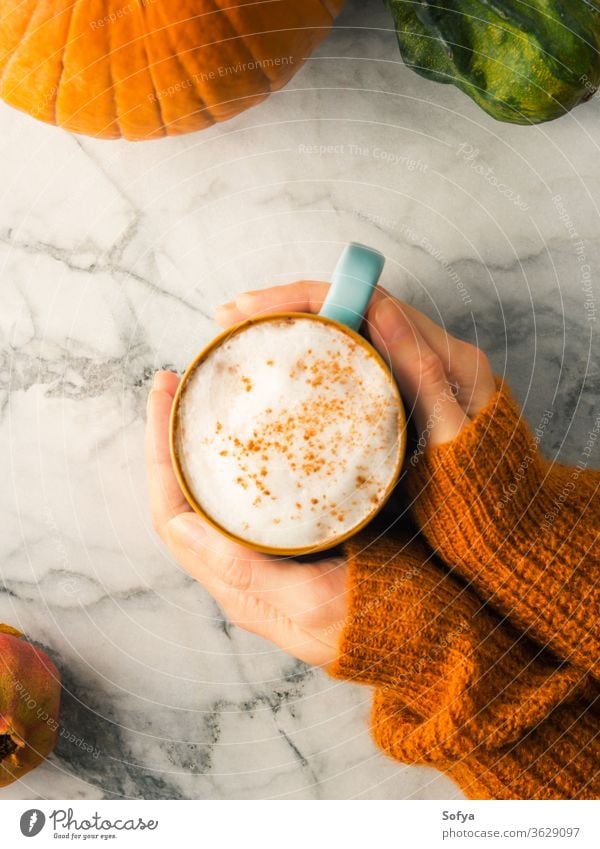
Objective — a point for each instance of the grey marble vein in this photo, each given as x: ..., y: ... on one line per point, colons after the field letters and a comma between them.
x: 113, y: 257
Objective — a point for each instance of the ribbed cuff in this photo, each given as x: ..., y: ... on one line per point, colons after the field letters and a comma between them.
x: 450, y: 676
x: 395, y: 600
x: 487, y: 504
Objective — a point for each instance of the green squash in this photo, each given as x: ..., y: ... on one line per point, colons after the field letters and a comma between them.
x: 523, y: 61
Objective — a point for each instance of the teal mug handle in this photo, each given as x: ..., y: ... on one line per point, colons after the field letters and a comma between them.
x: 354, y: 280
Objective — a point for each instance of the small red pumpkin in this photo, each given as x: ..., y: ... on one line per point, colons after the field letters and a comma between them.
x: 29, y: 705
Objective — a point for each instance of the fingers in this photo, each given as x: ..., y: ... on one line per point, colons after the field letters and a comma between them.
x: 226, y: 315
x: 465, y: 365
x: 166, y: 381
x: 257, y: 592
x: 419, y: 372
x: 223, y: 565
x: 279, y: 601
x: 440, y: 357
x: 302, y: 296
x: 210, y: 556
x: 470, y: 370
x: 166, y: 498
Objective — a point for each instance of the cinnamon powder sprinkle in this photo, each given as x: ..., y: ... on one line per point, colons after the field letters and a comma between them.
x: 301, y: 437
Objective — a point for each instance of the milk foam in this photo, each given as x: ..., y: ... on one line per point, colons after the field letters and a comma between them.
x: 288, y: 433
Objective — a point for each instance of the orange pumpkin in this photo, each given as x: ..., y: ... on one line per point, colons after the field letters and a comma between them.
x: 142, y: 69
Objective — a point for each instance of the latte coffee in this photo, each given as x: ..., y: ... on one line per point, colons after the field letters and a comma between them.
x: 288, y: 433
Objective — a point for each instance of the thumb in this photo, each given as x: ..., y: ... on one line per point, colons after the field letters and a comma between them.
x: 419, y: 372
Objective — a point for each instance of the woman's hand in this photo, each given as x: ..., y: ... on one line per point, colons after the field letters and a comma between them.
x: 299, y: 607
x: 444, y: 382
x: 302, y: 607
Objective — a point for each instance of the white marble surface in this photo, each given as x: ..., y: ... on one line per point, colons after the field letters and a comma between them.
x: 113, y: 256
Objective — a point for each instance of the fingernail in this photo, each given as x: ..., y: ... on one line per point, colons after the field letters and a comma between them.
x: 390, y: 321
x: 151, y: 390
x: 189, y: 529
x: 228, y: 305
x: 155, y: 379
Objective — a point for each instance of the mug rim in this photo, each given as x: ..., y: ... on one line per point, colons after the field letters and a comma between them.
x: 174, y: 418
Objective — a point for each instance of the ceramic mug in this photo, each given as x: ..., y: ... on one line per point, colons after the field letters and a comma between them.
x: 354, y: 280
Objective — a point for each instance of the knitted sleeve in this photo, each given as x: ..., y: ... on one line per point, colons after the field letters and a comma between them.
x: 459, y: 688
x: 523, y: 531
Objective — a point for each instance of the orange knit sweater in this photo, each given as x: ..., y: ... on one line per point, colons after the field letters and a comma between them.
x: 481, y: 633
